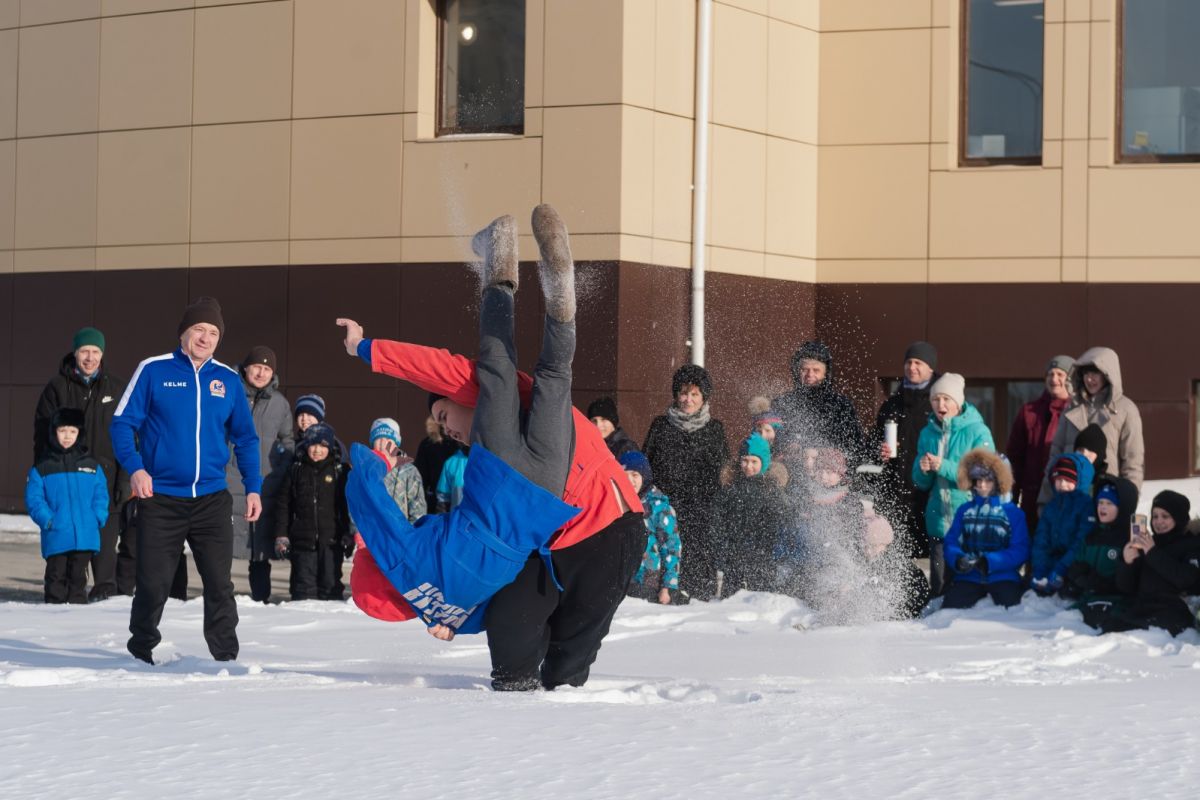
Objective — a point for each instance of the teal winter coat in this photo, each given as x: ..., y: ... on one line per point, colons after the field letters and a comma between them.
x: 952, y: 441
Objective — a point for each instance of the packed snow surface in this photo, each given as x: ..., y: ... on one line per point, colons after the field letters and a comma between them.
x: 747, y: 698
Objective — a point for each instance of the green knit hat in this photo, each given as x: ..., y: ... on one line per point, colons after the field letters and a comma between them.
x: 87, y: 336
x: 756, y: 445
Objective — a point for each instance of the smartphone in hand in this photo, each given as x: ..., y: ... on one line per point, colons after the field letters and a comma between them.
x: 1138, y: 525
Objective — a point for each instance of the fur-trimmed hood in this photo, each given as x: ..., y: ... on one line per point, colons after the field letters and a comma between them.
x: 997, y: 463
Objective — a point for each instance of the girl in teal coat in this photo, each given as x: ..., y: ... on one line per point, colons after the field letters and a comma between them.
x: 955, y: 428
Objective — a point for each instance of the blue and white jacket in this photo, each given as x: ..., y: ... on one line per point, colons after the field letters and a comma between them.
x: 993, y: 530
x: 66, y: 494
x: 184, y: 419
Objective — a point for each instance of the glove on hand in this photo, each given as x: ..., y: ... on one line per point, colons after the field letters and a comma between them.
x: 965, y: 563
x: 348, y: 545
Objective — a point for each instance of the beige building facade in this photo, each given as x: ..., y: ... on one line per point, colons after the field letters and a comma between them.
x: 151, y: 149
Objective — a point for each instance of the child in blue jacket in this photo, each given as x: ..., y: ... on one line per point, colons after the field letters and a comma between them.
x: 1064, y: 522
x: 657, y: 578
x: 988, y: 541
x: 67, y: 496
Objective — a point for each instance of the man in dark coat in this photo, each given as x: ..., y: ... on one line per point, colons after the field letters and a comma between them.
x: 902, y: 503
x: 83, y: 383
x: 815, y: 414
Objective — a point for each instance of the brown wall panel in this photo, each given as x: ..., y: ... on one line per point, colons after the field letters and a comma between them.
x: 254, y: 306
x: 139, y: 313
x: 47, y: 309
x: 439, y: 306
x: 597, y: 287
x: 6, y: 328
x: 10, y: 484
x: 1166, y: 428
x: 22, y: 402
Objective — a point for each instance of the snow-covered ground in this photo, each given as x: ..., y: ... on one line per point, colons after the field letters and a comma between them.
x: 721, y: 700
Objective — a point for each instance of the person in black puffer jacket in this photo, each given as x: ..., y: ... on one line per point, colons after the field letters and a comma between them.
x: 686, y: 448
x: 747, y: 518
x: 815, y: 413
x: 312, y: 521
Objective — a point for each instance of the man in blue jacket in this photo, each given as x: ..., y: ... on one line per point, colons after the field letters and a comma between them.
x: 184, y: 408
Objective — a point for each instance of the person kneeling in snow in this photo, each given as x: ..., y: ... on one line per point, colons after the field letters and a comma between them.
x: 1064, y: 522
x: 988, y: 541
x: 746, y: 518
x: 657, y: 579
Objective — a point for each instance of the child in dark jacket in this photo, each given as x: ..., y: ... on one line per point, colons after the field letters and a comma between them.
x: 1156, y: 568
x: 657, y: 579
x: 1092, y: 573
x: 1065, y: 520
x: 67, y: 497
x: 988, y: 540
x: 746, y: 519
x: 312, y: 524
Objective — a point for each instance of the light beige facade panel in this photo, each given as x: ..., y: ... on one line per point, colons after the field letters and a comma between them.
x: 943, y: 87
x: 581, y: 174
x: 238, y: 254
x: 873, y: 202
x: 6, y: 261
x: 346, y: 177
x: 346, y: 251
x: 535, y: 53
x: 58, y: 82
x: 1074, y: 270
x: 149, y: 256
x: 1077, y: 10
x: 638, y: 249
x: 454, y: 188
x: 56, y: 192
x: 144, y: 184
x: 759, y: 7
x: 793, y: 82
x: 8, y: 84
x: 805, y: 13
x: 733, y: 261
x: 41, y: 12
x: 1144, y: 212
x: 453, y: 251
x: 739, y: 68
x: 875, y: 87
x: 69, y: 259
x: 860, y: 15
x: 671, y: 254
x: 243, y: 69
x: 1077, y: 74
x: 1104, y: 10
x: 1146, y: 270
x: 1075, y: 174
x: 10, y: 14
x: 349, y: 57
x: 637, y: 173
x: 995, y: 213
x: 240, y: 183
x: 588, y: 246
x: 675, y: 57
x: 420, y: 60
x: 1103, y: 85
x: 1053, y: 10
x: 111, y: 8
x: 737, y: 190
x: 944, y: 12
x: 146, y: 70
x: 914, y: 270
x: 673, y: 147
x: 995, y: 270
x: 1053, y: 75
x: 8, y: 194
x: 788, y: 268
x: 583, y: 48
x: 637, y: 52
x: 791, y: 209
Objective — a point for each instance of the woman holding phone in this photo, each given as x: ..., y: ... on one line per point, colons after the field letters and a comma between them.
x: 1158, y: 566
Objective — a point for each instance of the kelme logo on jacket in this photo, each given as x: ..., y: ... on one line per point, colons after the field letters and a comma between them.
x: 216, y: 389
x: 175, y: 384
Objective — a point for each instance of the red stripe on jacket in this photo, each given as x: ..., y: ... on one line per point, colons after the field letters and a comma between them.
x: 595, y: 476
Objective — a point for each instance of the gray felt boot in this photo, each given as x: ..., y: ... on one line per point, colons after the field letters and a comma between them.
x: 497, y: 246
x: 556, y: 270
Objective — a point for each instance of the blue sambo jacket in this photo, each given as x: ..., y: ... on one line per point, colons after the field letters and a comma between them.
x: 447, y: 566
x: 66, y: 494
x: 184, y: 419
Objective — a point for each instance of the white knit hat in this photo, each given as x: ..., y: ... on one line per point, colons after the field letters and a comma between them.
x: 952, y: 385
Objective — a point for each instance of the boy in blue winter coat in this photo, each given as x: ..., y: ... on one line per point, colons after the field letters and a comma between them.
x: 67, y: 497
x: 657, y: 578
x: 1064, y: 522
x: 988, y: 541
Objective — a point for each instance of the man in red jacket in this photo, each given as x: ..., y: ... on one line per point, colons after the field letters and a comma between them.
x: 1032, y: 434
x: 545, y: 628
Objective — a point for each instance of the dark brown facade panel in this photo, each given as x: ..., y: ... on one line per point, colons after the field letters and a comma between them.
x: 6, y: 329
x: 597, y: 322
x: 47, y: 308
x: 22, y: 402
x: 1167, y: 430
x: 9, y: 463
x: 139, y: 312
x: 254, y: 303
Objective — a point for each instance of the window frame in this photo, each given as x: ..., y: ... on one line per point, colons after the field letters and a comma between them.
x: 1119, y: 156
x: 441, y: 130
x: 964, y: 91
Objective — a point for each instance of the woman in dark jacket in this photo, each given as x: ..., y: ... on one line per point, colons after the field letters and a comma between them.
x: 686, y: 448
x: 1158, y: 567
x: 312, y: 522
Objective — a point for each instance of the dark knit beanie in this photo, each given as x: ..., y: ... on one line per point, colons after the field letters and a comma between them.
x: 1092, y: 438
x: 1109, y: 492
x: 321, y: 433
x: 1065, y: 468
x: 1065, y: 363
x: 606, y: 408
x: 810, y: 351
x: 311, y: 404
x: 694, y: 374
x: 87, y: 336
x: 636, y: 461
x: 67, y: 416
x: 922, y: 351
x: 206, y: 309
x: 260, y: 354
x: 1175, y: 504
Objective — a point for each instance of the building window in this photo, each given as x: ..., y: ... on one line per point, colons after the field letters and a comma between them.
x: 1001, y: 82
x: 1158, y: 105
x: 481, y: 66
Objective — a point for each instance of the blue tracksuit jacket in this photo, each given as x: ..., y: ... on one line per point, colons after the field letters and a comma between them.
x: 447, y: 566
x: 184, y: 419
